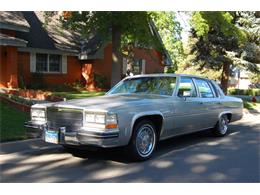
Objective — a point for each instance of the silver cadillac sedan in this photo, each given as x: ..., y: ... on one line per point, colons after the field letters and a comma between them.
x: 137, y: 113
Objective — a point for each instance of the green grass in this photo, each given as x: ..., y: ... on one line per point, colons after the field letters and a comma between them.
x: 251, y: 105
x: 11, y: 123
x: 77, y: 95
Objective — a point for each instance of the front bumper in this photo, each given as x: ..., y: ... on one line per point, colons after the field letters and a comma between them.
x: 106, y: 139
x: 100, y: 139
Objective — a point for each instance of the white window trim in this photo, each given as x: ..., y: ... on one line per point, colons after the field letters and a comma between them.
x: 33, y: 61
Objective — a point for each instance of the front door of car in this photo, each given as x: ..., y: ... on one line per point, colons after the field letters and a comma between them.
x: 188, y: 108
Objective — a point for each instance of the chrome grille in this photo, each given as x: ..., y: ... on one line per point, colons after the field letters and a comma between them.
x: 70, y: 118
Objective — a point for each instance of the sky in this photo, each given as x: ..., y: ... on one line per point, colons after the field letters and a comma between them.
x: 183, y: 18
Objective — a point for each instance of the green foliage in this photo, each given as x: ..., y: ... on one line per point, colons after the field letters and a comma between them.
x: 254, y: 78
x: 204, y: 22
x: 251, y: 105
x: 12, y: 127
x: 76, y: 86
x: 250, y: 92
x: 18, y: 99
x: 101, y: 81
x: 135, y: 27
x: 170, y: 30
x: 36, y: 81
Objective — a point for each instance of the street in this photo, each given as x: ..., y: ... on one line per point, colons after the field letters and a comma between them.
x: 198, y: 157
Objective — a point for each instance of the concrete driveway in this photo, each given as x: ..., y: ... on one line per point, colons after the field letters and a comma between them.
x: 190, y: 158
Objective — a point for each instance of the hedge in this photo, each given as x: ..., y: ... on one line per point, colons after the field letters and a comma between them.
x: 250, y: 92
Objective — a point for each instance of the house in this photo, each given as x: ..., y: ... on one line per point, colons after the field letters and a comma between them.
x: 34, y: 52
x: 240, y: 79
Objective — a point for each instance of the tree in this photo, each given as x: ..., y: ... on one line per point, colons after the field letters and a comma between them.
x: 213, y: 36
x: 248, y: 57
x: 125, y: 29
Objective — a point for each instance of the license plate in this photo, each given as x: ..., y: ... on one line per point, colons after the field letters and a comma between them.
x: 52, y: 137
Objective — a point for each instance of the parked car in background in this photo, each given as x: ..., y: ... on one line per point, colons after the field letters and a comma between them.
x: 137, y: 113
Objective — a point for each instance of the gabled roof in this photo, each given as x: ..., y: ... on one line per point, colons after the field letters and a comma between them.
x: 52, y: 36
x: 11, y: 41
x: 13, y: 20
x: 48, y: 36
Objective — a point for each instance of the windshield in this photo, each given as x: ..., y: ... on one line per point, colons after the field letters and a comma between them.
x: 146, y: 85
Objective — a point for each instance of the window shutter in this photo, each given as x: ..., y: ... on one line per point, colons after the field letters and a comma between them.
x: 143, y: 66
x: 64, y: 64
x: 32, y: 62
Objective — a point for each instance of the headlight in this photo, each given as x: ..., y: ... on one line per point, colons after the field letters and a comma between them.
x: 90, y: 118
x: 38, y: 114
x: 108, y: 120
x: 95, y: 118
x: 100, y: 118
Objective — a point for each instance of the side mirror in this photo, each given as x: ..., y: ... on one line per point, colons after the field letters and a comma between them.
x: 186, y: 94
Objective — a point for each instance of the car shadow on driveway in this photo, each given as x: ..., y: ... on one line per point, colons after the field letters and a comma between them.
x: 163, y: 147
x: 197, y: 157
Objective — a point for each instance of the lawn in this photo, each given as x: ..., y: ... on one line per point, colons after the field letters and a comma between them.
x: 252, y: 105
x: 77, y: 95
x: 11, y: 123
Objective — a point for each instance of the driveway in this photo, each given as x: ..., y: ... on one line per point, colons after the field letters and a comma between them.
x: 191, y: 158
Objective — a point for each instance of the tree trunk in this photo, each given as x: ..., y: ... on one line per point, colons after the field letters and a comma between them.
x: 225, y: 77
x: 116, y: 55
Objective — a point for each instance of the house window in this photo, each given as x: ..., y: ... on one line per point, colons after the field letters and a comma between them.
x: 41, y: 62
x: 48, y: 62
x: 138, y: 67
x: 54, y: 63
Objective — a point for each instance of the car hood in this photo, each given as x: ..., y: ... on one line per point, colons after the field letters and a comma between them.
x: 109, y: 102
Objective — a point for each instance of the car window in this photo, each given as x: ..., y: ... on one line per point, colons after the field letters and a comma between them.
x: 204, y: 88
x: 146, y: 85
x: 186, y: 88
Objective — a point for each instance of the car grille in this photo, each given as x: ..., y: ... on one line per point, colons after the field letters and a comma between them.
x: 70, y: 118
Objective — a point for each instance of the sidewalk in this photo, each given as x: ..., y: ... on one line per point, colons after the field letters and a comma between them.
x: 30, y: 145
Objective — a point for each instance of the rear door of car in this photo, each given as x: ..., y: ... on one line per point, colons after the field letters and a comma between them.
x: 189, y: 113
x: 209, y: 102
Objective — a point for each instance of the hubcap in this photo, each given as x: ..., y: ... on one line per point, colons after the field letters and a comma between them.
x: 145, y: 140
x: 223, y: 125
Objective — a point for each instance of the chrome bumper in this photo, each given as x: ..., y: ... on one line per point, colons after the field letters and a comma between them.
x: 34, y: 125
x: 79, y: 137
x: 99, y: 139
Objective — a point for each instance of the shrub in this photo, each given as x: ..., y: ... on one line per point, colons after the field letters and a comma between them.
x: 37, y: 81
x: 101, y: 81
x: 250, y: 92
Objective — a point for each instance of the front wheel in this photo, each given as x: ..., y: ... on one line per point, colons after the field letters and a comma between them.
x: 221, y: 127
x: 143, y: 141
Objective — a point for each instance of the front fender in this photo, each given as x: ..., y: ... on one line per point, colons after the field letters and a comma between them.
x: 136, y: 117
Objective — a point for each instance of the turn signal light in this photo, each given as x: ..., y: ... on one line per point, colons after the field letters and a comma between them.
x: 111, y: 126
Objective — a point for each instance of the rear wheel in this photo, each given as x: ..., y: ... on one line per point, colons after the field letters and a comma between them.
x: 221, y: 127
x: 143, y: 141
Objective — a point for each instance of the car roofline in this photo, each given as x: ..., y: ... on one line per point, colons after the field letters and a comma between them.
x: 166, y: 75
